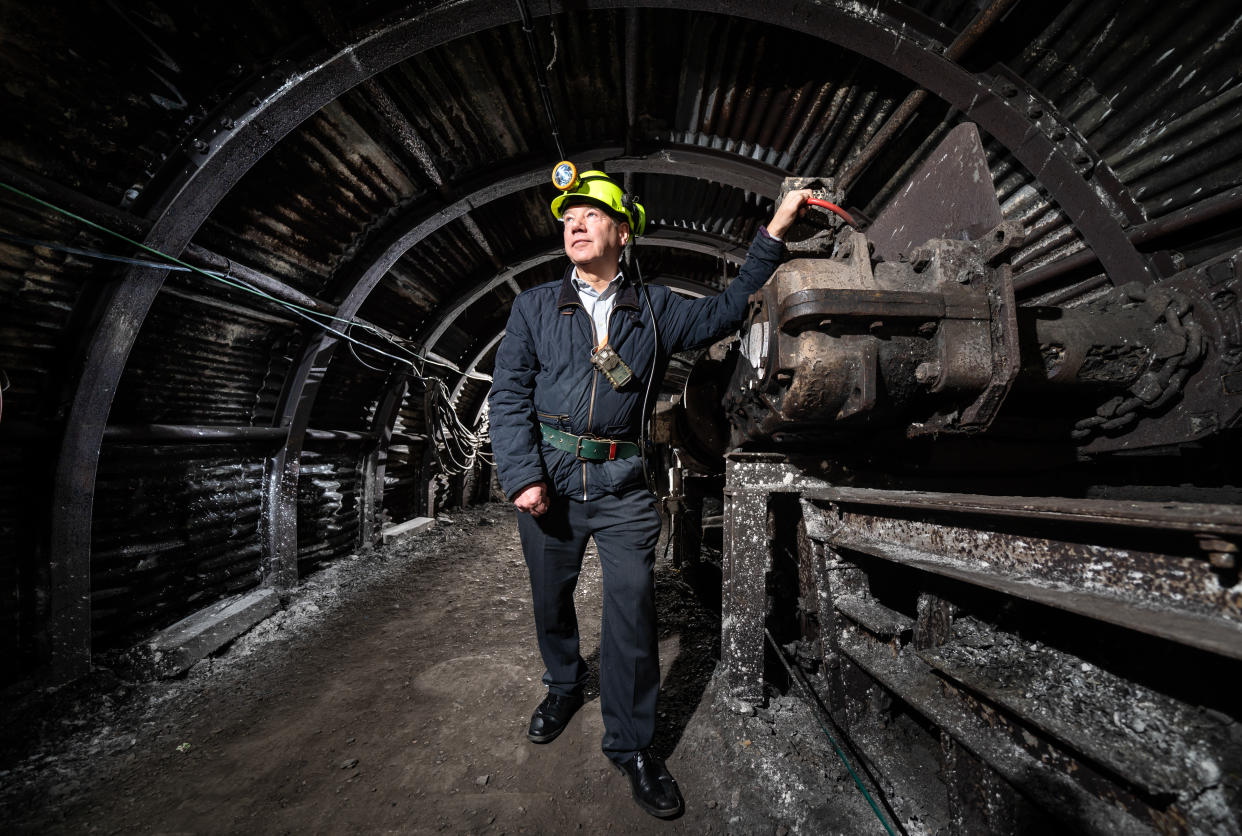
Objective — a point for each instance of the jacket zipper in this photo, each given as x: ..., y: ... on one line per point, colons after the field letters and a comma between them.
x: 594, y: 385
x: 591, y: 406
x: 590, y: 417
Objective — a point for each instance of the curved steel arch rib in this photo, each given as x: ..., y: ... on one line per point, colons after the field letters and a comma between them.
x: 285, y: 100
x: 707, y: 243
x: 694, y: 241
x: 473, y: 365
x: 454, y: 309
x: 683, y: 287
x: 740, y: 172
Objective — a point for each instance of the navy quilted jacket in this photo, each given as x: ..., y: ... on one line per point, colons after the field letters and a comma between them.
x: 543, y: 373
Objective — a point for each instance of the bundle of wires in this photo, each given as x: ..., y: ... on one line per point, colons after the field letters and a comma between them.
x: 457, y: 447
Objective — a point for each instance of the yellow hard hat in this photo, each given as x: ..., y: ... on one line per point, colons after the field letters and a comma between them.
x: 597, y: 189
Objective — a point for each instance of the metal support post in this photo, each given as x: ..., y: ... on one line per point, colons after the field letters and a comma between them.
x: 747, y: 556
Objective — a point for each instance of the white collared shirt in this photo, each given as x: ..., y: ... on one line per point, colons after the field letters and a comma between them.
x: 597, y: 304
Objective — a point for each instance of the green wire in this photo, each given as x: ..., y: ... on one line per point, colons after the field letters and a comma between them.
x: 240, y: 285
x: 874, y: 807
x: 471, y: 440
x: 857, y: 781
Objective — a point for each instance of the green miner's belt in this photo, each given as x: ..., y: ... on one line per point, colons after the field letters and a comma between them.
x: 587, y: 448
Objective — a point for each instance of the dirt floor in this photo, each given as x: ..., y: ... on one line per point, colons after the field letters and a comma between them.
x: 392, y: 695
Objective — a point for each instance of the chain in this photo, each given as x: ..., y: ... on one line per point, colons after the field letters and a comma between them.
x: 1164, y: 377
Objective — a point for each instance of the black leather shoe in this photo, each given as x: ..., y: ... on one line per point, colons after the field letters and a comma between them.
x: 653, y: 788
x: 551, y: 717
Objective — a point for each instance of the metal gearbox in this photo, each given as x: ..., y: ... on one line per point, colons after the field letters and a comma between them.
x: 928, y: 342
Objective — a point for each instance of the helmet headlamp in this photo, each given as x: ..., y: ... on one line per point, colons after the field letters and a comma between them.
x: 564, y: 175
x: 596, y: 188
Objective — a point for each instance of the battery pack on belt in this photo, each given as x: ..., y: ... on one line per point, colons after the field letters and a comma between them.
x: 587, y: 448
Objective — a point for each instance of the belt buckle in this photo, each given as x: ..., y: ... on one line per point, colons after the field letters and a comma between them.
x: 578, y: 450
x: 612, y: 448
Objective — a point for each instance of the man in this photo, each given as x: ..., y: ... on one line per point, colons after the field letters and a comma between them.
x: 564, y: 425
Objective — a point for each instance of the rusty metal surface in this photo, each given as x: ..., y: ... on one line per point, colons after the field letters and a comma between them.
x: 869, y: 662
x: 1082, y: 706
x: 1050, y: 782
x: 841, y: 341
x: 1179, y: 597
x: 942, y: 602
x: 1196, y: 391
x: 845, y: 341
x: 746, y: 544
x: 747, y: 550
x: 1168, y: 516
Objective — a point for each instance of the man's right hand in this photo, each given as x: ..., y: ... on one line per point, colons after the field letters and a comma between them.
x: 533, y: 499
x: 790, y: 210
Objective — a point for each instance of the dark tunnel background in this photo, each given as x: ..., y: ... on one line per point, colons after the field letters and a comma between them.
x: 168, y: 441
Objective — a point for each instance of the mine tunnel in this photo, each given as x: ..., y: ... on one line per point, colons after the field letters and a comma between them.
x: 958, y: 504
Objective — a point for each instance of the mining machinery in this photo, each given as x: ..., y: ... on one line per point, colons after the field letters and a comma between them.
x: 967, y: 522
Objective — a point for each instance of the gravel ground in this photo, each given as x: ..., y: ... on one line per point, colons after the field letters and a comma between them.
x: 391, y: 694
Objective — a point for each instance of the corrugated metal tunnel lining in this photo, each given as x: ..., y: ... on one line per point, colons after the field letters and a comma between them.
x: 167, y: 441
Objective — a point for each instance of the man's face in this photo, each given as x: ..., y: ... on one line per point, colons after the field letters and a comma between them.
x: 592, y: 237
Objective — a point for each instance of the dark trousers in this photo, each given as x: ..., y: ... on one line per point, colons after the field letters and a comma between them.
x: 625, y: 529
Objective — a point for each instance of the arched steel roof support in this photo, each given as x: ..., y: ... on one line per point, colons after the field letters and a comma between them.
x: 473, y: 365
x: 715, y: 166
x: 692, y: 240
x: 256, y: 121
x: 374, y: 458
x: 684, y: 287
x: 216, y: 161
